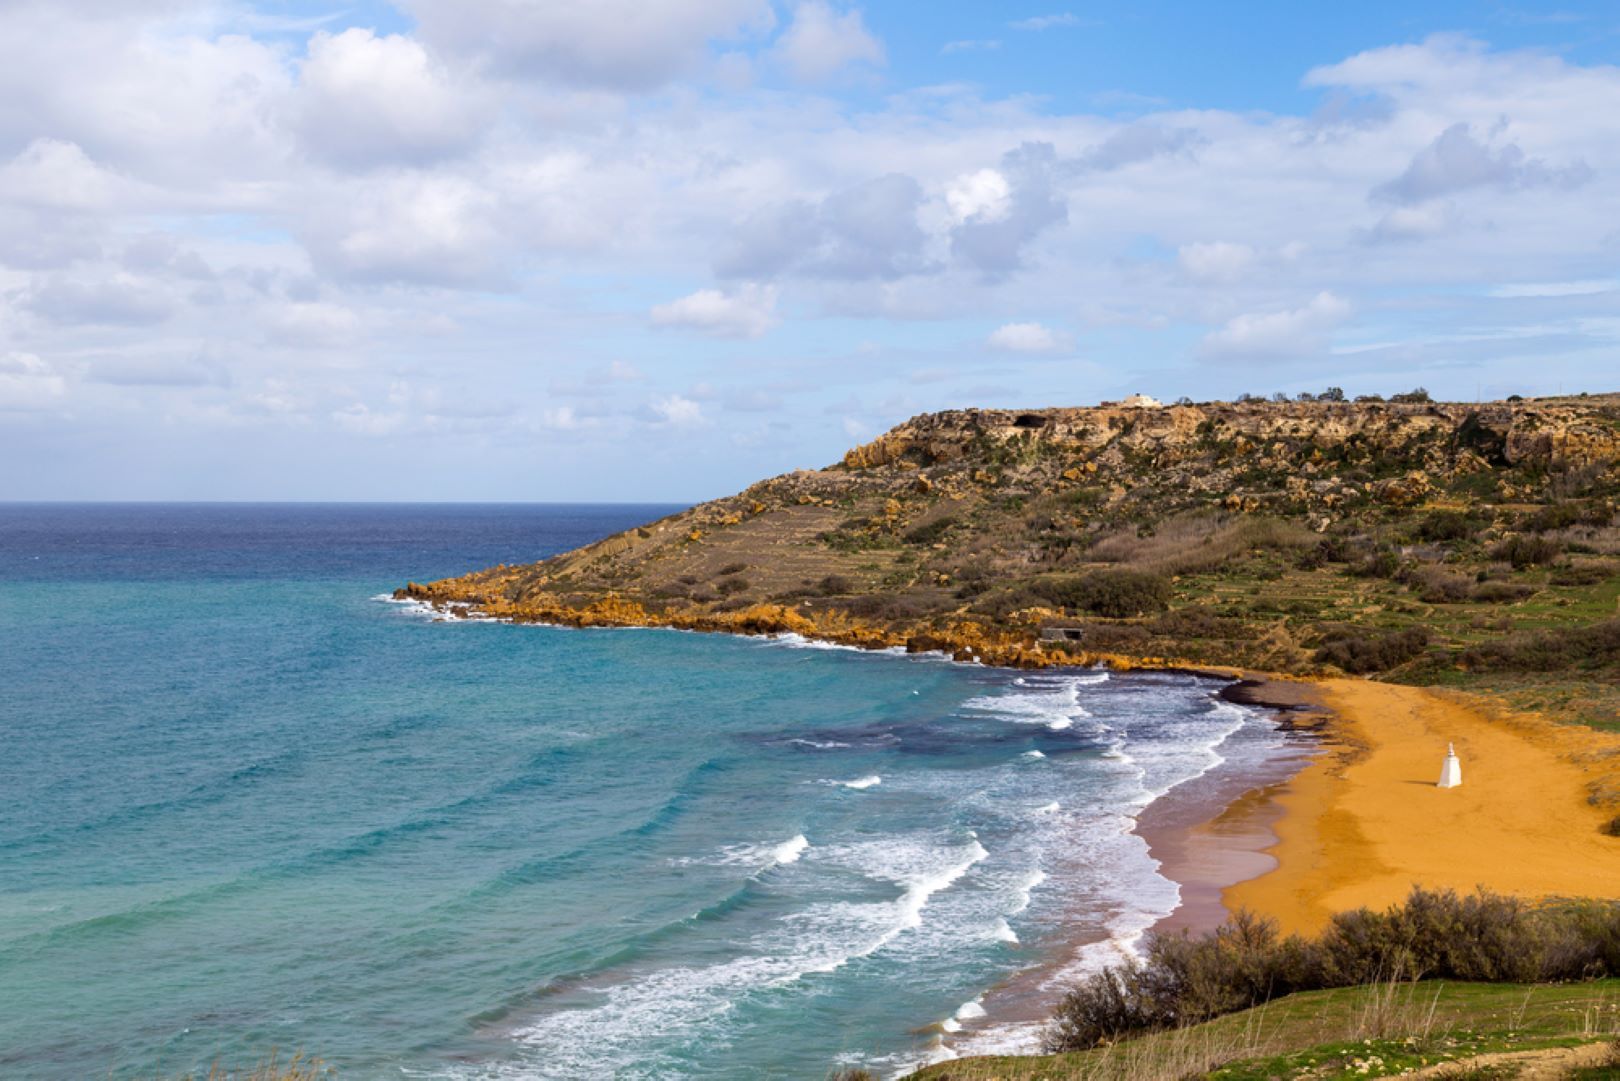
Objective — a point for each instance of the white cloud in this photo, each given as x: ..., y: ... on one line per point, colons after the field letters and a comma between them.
x: 28, y: 383
x: 366, y: 100
x: 1047, y: 22
x: 675, y: 411
x: 1028, y: 338
x: 1456, y: 160
x: 633, y: 45
x: 746, y: 313
x: 1220, y: 261
x: 58, y: 175
x: 1294, y: 333
x: 1590, y: 287
x: 983, y: 195
x: 820, y: 42
x: 969, y: 45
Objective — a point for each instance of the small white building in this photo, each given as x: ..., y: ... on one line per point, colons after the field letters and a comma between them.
x: 1142, y: 401
x: 1451, y: 771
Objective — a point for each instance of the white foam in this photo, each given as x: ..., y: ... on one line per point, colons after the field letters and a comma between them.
x: 1050, y: 808
x: 790, y: 851
x: 818, y: 744
x: 1032, y: 755
x: 869, y: 781
x: 971, y: 1010
x: 1000, y: 931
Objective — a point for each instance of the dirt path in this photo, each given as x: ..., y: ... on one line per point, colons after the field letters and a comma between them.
x: 1360, y: 827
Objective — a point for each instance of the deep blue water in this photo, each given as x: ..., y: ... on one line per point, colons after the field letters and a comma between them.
x: 248, y: 804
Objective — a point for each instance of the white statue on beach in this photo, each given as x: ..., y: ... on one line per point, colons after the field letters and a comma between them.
x: 1451, y: 772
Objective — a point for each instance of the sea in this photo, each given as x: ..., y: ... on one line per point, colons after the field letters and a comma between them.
x: 248, y: 803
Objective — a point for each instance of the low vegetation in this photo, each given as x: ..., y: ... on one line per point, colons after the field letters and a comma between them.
x: 1474, y: 546
x: 1441, y: 985
x: 1183, y: 980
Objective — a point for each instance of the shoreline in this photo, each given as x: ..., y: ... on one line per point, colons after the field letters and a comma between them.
x: 1356, y: 824
x: 1365, y: 822
x: 1205, y: 835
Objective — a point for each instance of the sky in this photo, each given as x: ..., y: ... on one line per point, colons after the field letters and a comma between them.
x: 654, y: 250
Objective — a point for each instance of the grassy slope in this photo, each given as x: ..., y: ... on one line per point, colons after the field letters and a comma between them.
x: 1363, y: 1032
x: 1280, y: 528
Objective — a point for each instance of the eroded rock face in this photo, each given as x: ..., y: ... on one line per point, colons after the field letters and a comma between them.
x: 1551, y: 432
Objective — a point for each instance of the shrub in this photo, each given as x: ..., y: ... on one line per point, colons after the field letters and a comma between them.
x: 1435, y: 585
x: 1586, y: 574
x: 834, y: 584
x: 1447, y: 525
x: 729, y: 586
x: 1111, y: 594
x: 880, y: 606
x: 1596, y: 645
x: 733, y: 568
x: 1501, y: 592
x: 1183, y: 980
x: 1527, y: 551
x: 929, y: 532
x: 1383, y: 563
x: 1360, y: 654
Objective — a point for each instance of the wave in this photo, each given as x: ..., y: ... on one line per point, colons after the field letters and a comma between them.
x: 648, y: 1021
x: 790, y: 851
x: 869, y: 781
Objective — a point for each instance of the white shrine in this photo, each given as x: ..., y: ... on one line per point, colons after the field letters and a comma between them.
x: 1451, y: 772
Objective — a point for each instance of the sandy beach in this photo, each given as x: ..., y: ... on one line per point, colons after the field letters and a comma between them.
x: 1364, y: 823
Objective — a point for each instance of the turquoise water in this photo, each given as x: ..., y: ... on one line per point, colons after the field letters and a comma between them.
x: 251, y: 805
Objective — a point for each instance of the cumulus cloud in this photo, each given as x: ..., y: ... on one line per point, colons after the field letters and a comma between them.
x: 429, y: 228
x: 1007, y: 208
x: 675, y: 411
x: 58, y: 175
x: 28, y: 383
x: 634, y: 45
x: 1456, y: 160
x: 117, y: 299
x: 1219, y: 261
x: 820, y: 42
x: 866, y: 231
x: 1136, y: 143
x: 748, y: 312
x: 366, y: 100
x: 1027, y: 338
x: 1281, y: 335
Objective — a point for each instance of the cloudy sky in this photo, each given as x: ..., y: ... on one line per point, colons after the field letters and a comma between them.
x: 657, y: 249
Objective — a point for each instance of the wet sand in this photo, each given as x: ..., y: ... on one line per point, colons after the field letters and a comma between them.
x: 1364, y: 823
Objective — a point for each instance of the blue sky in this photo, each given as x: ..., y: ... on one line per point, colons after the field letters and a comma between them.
x: 657, y: 249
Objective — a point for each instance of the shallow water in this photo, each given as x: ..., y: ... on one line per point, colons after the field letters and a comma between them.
x: 252, y: 805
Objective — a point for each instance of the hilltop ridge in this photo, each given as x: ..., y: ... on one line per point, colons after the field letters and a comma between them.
x: 1412, y: 539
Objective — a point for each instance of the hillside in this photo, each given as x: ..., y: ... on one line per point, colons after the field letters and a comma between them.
x: 1440, y: 543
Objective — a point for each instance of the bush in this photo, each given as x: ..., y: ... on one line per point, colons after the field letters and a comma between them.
x: 1435, y: 585
x: 834, y: 584
x: 1383, y: 563
x: 1360, y: 654
x: 1447, y: 525
x: 1111, y: 594
x: 730, y: 586
x: 1596, y: 645
x: 1527, y: 551
x: 1586, y: 574
x: 1183, y: 980
x: 1501, y: 592
x: 733, y: 568
x: 929, y: 532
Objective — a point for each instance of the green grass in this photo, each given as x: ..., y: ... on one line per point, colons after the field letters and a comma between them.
x: 1376, y: 1031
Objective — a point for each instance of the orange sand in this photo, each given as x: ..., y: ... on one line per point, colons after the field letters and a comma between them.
x: 1362, y: 825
